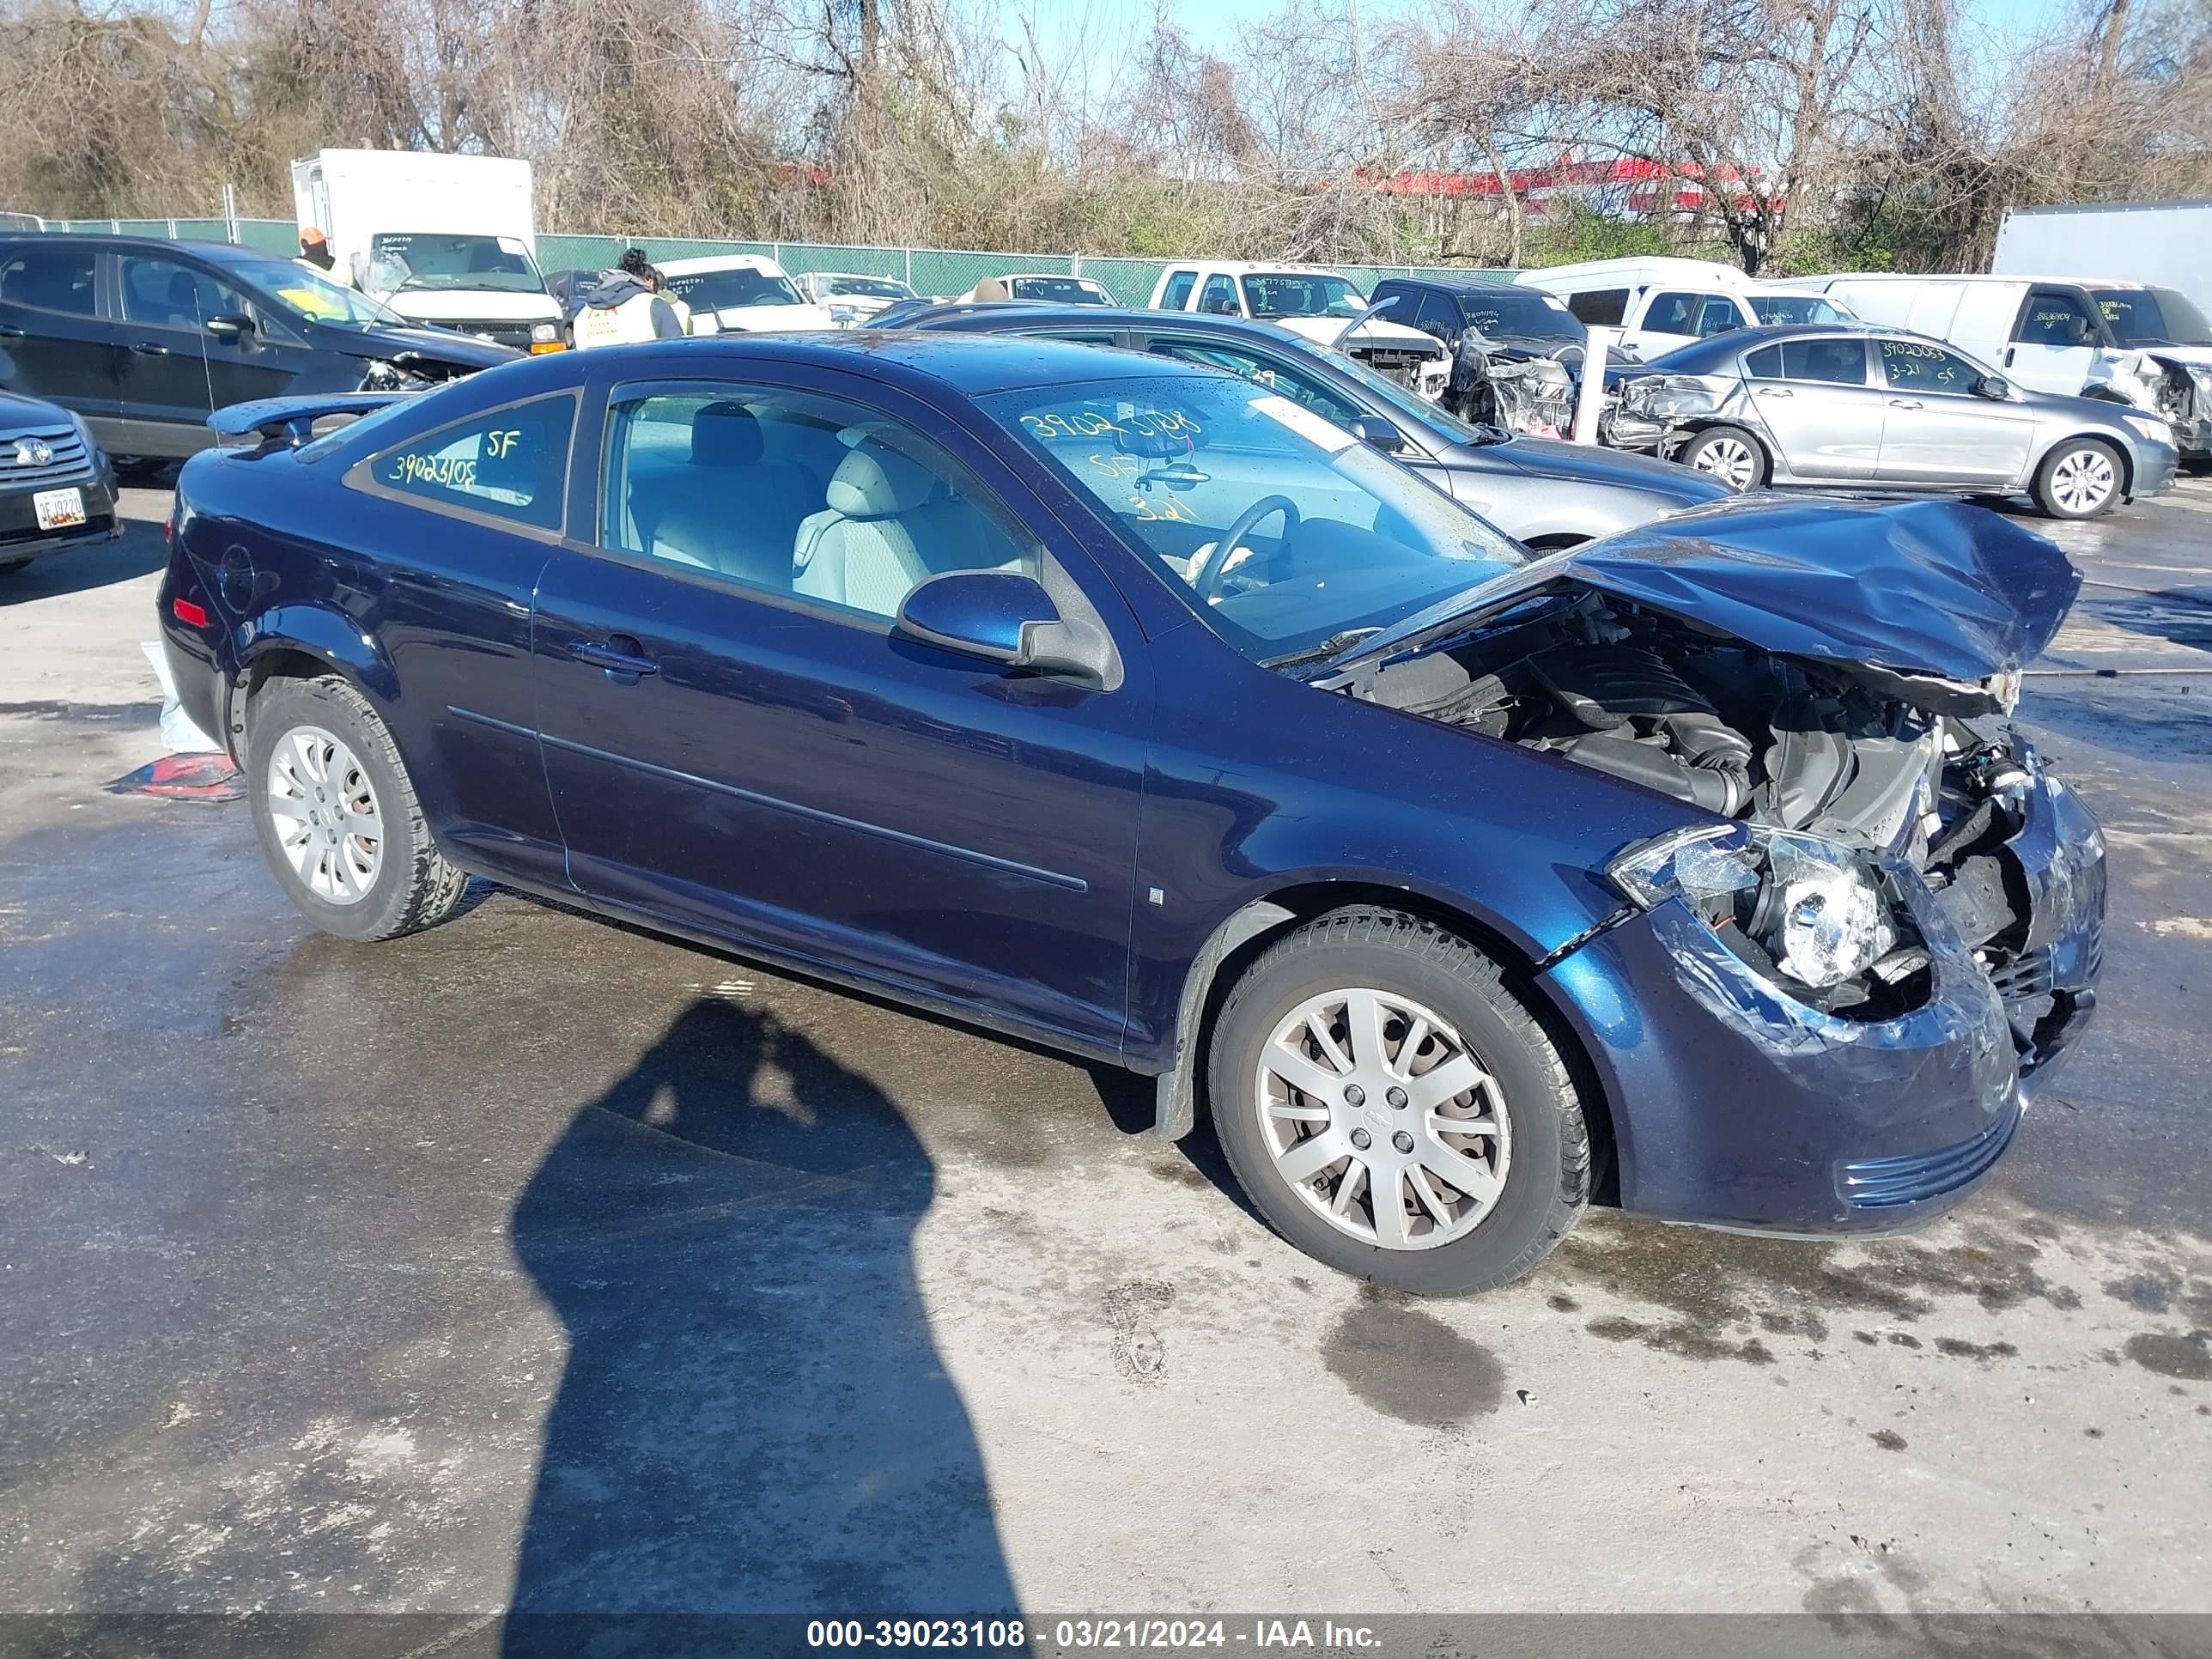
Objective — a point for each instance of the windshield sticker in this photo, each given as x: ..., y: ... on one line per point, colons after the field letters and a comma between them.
x: 314, y: 301
x: 1303, y: 422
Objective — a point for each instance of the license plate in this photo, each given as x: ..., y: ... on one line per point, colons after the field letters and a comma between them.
x: 58, y: 509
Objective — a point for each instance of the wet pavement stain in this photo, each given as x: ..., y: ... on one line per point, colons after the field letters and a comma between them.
x: 1559, y: 1303
x: 1715, y: 1280
x: 2185, y: 1356
x: 1888, y: 1440
x: 1407, y: 1364
x: 1686, y: 1340
x: 1956, y: 1349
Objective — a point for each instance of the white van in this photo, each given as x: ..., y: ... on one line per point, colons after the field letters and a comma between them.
x: 1313, y: 304
x: 1662, y: 303
x: 2045, y: 333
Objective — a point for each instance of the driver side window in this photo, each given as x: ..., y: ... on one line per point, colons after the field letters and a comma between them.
x: 1219, y: 297
x: 795, y: 494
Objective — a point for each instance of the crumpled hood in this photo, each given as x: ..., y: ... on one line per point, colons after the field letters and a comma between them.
x: 1930, y: 588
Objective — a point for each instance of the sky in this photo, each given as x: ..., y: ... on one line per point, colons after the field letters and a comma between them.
x: 1105, y: 31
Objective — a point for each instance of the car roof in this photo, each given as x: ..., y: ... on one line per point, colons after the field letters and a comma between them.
x: 215, y: 252
x: 971, y: 364
x: 1451, y: 284
x: 1033, y: 314
x: 692, y: 266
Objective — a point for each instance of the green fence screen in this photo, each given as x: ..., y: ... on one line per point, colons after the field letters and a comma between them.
x: 947, y: 272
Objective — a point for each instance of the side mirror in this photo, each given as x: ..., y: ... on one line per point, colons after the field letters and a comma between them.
x: 1005, y: 618
x: 1995, y: 387
x: 1379, y: 434
x: 233, y: 327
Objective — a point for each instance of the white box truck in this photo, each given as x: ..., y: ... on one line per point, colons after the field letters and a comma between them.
x: 2159, y: 244
x: 449, y: 239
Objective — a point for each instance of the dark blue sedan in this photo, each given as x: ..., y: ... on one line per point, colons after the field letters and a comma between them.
x: 1129, y: 707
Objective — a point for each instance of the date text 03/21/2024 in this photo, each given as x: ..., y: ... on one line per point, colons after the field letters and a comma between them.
x: 1084, y: 1635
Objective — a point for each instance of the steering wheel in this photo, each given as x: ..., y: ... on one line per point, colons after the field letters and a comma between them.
x: 1207, y: 581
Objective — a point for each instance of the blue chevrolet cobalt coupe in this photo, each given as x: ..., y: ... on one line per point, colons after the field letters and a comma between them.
x: 1129, y: 706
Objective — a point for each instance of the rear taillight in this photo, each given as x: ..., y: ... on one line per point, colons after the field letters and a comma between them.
x: 192, y: 615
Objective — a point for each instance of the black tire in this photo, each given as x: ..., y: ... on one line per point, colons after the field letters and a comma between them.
x: 1548, y: 1177
x: 413, y: 887
x: 2047, y: 485
x: 1711, y: 438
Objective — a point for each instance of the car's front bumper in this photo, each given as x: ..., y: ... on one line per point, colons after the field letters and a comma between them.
x: 1735, y: 1105
x: 2155, y: 466
x: 21, y: 536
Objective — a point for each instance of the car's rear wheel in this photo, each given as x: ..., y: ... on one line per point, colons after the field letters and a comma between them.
x: 1728, y: 454
x: 1392, y: 1110
x: 338, y: 814
x: 2078, y: 479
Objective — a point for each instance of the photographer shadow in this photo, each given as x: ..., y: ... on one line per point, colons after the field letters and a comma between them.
x: 753, y: 1417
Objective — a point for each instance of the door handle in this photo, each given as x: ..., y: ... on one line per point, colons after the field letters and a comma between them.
x: 1906, y: 403
x: 9, y: 331
x: 623, y: 657
x: 1776, y: 392
x: 147, y: 349
x: 2007, y: 362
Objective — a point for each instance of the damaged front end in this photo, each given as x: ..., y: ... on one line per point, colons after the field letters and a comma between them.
x: 411, y: 371
x: 1870, y: 816
x: 2178, y: 392
x: 1512, y: 388
x: 1650, y: 412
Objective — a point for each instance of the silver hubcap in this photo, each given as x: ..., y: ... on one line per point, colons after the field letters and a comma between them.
x: 1382, y: 1120
x: 326, y: 814
x: 2082, y: 481
x: 1731, y: 460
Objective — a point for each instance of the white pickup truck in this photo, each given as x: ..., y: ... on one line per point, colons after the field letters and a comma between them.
x: 1318, y: 305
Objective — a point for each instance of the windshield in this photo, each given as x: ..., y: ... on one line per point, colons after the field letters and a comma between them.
x: 2151, y: 316
x: 1300, y: 293
x: 1060, y: 290
x: 1520, y: 315
x: 1797, y: 308
x: 418, y: 259
x: 725, y: 291
x: 293, y: 288
x: 1334, y: 539
x: 867, y: 288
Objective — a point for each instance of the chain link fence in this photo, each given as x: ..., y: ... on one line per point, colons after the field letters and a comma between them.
x: 947, y: 272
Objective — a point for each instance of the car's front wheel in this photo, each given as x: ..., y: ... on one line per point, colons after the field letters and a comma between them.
x: 1392, y: 1110
x: 338, y: 814
x: 2078, y: 479
x: 1728, y: 454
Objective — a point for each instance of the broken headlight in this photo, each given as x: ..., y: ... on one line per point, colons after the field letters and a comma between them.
x: 1814, y: 909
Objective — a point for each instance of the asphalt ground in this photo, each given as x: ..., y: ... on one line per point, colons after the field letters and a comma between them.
x: 536, y: 1264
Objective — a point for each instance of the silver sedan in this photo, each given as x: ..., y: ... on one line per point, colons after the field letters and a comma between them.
x: 1862, y: 408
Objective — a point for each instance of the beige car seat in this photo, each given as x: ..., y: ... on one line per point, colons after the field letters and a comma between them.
x: 728, y: 510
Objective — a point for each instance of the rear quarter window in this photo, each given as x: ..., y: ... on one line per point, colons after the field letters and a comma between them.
x: 511, y: 464
x: 1601, y: 307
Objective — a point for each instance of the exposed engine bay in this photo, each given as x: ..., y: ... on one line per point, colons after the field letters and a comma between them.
x: 411, y: 371
x: 1834, y: 779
